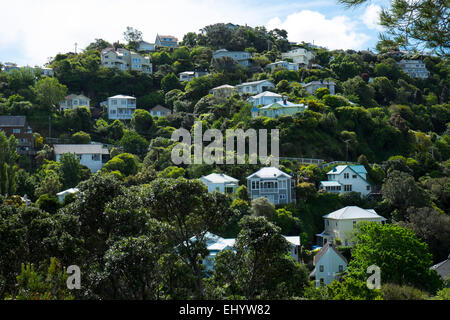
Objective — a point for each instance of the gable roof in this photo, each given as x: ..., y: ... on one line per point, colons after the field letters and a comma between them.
x: 356, y: 168
x: 266, y: 94
x: 224, y: 86
x: 353, y: 212
x: 121, y: 96
x: 219, y: 178
x: 80, y: 149
x: 159, y: 107
x: 269, y: 172
x: 442, y: 268
x: 324, y: 250
x: 12, y: 121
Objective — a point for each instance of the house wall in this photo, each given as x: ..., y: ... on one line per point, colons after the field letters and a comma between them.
x: 342, y: 229
x: 276, y: 195
x: 264, y: 101
x: 121, y: 108
x: 256, y: 88
x: 88, y: 161
x: 330, y: 262
x: 240, y: 57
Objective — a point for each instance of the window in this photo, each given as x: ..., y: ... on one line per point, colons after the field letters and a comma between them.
x: 16, y: 130
x: 328, y: 223
x: 321, y: 268
x: 347, y: 187
x: 282, y: 196
x: 354, y: 176
x: 354, y: 223
x: 322, y: 282
x: 341, y: 268
x: 346, y: 175
x: 368, y: 188
x: 96, y: 157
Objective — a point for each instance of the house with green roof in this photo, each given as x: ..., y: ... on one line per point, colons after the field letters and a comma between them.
x: 347, y: 178
x: 278, y: 109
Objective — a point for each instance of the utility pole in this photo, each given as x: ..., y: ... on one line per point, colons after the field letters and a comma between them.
x: 346, y: 154
x: 49, y: 126
x: 76, y: 44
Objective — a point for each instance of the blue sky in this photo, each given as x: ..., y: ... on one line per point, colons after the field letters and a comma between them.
x: 32, y: 31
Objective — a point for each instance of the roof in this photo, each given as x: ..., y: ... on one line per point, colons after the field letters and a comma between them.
x: 356, y: 168
x: 72, y: 96
x: 266, y: 94
x: 269, y: 172
x: 12, y: 121
x: 319, y: 82
x: 68, y: 191
x: 253, y: 83
x: 223, y: 87
x: 121, y: 96
x: 324, y: 250
x: 160, y: 108
x: 187, y: 72
x: 281, y: 104
x: 353, y: 212
x: 330, y: 183
x: 295, y: 240
x: 80, y: 149
x: 219, y: 178
x: 168, y: 37
x: 443, y: 268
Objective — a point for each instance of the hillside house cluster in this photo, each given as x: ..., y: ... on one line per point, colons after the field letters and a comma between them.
x: 124, y: 60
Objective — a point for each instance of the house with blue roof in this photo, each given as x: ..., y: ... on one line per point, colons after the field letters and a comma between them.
x: 347, y: 178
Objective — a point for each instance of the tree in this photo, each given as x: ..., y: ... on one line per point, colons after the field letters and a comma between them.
x: 81, y: 138
x: 432, y: 227
x: 192, y: 211
x: 125, y: 163
x: 261, y: 267
x: 401, y: 192
x: 170, y: 82
x: 142, y: 121
x: 401, y: 256
x: 261, y: 207
x: 132, y: 142
x: 358, y: 87
x: 70, y: 170
x: 413, y: 23
x: 49, y: 92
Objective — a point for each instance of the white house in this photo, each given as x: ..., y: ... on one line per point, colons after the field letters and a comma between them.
x: 300, y: 56
x: 339, y: 224
x: 347, y: 178
x: 255, y: 87
x: 73, y: 101
x: 278, y: 109
x: 265, y: 98
x: 221, y: 183
x: 273, y: 184
x: 189, y: 75
x: 63, y: 194
x: 241, y: 57
x: 216, y: 244
x: 329, y: 264
x: 120, y: 107
x: 283, y: 65
x: 124, y: 59
x: 414, y: 68
x: 146, y: 46
x: 223, y: 92
x: 160, y: 111
x: 93, y: 156
x: 312, y: 86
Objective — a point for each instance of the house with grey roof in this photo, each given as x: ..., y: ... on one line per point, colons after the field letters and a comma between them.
x: 283, y: 65
x: 160, y: 111
x: 347, y: 178
x: 329, y: 265
x: 443, y: 270
x: 340, y: 224
x: 220, y: 182
x: 312, y: 86
x: 93, y: 156
x: 73, y: 101
x: 273, y: 184
x: 278, y: 109
x: 255, y: 87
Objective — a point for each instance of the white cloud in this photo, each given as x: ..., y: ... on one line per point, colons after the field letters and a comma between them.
x: 371, y: 17
x: 312, y: 26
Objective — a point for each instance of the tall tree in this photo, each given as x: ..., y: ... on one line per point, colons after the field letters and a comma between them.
x: 49, y: 92
x: 8, y: 168
x: 415, y: 22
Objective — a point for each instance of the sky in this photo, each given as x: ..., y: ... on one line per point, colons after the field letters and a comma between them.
x: 32, y: 31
